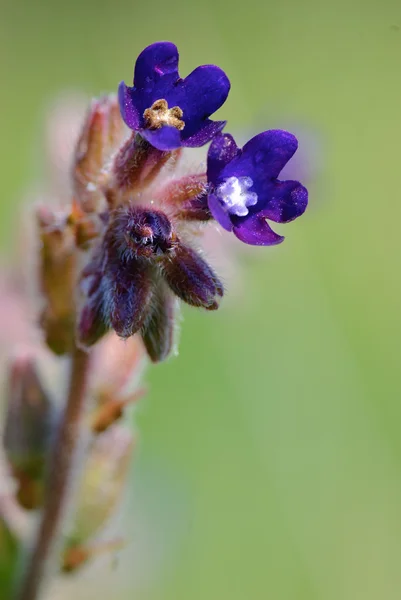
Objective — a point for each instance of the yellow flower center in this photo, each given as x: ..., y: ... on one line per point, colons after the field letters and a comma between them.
x: 160, y: 114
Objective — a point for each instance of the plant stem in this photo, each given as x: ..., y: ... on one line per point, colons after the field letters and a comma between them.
x: 62, y: 465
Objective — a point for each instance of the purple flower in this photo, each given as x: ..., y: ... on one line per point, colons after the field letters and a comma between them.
x: 169, y: 111
x: 245, y: 190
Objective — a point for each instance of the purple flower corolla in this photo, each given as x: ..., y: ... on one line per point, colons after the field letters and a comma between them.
x: 245, y: 190
x: 170, y: 112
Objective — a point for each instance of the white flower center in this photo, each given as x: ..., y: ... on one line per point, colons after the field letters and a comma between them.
x: 235, y: 195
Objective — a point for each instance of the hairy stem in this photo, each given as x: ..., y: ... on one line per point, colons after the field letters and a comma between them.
x: 62, y: 464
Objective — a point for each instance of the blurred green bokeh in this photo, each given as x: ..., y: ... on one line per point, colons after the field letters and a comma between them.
x: 270, y: 455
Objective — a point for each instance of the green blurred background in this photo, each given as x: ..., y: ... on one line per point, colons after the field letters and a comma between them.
x: 270, y: 457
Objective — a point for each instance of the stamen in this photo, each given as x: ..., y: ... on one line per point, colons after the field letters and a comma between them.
x: 234, y: 194
x: 160, y: 114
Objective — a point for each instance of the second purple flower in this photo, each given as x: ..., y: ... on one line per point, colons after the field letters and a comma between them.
x: 245, y: 190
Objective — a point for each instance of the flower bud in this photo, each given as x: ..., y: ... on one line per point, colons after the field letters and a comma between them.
x: 58, y: 264
x: 92, y: 325
x: 86, y: 227
x: 186, y: 197
x: 102, y: 483
x: 135, y: 167
x: 159, y: 330
x: 118, y: 293
x: 27, y: 429
x: 192, y: 280
x: 125, y: 281
x: 102, y: 133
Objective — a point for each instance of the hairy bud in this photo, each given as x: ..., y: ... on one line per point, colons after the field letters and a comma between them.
x: 92, y: 325
x: 125, y: 282
x: 192, y: 280
x: 135, y: 167
x: 58, y: 263
x: 102, y: 133
x: 160, y: 327
x: 187, y: 198
x: 140, y: 233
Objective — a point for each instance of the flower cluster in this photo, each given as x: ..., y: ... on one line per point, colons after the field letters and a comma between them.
x: 144, y: 256
x: 115, y: 257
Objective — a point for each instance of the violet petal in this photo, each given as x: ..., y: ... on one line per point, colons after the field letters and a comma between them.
x: 159, y: 60
x: 255, y: 231
x: 263, y: 157
x: 218, y: 212
x: 208, y: 129
x: 128, y: 110
x: 199, y: 95
x: 166, y: 138
x: 223, y: 149
x: 288, y: 201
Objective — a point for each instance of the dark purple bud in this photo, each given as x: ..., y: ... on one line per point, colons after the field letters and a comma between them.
x: 158, y: 332
x: 91, y: 324
x: 137, y: 232
x: 120, y: 279
x: 124, y: 286
x: 127, y: 295
x: 118, y: 297
x: 191, y: 278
